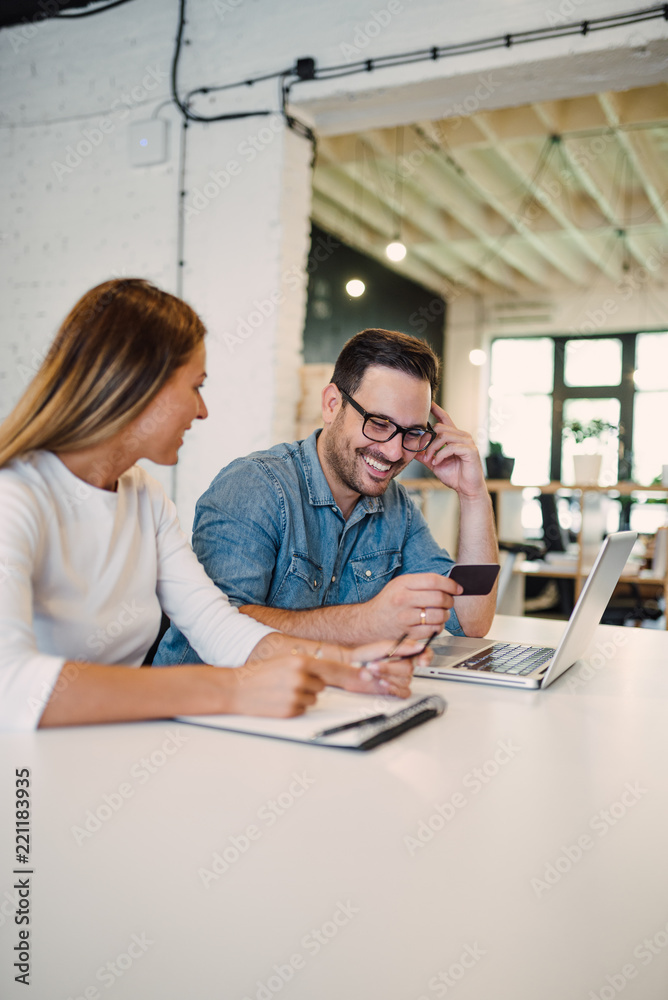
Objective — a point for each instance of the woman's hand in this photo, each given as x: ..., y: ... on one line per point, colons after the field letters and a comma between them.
x: 283, y: 686
x: 392, y: 672
x: 369, y: 670
x: 366, y: 669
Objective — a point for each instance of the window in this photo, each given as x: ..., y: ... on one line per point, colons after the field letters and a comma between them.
x: 539, y: 382
x: 651, y: 405
x: 593, y: 362
x: 520, y: 412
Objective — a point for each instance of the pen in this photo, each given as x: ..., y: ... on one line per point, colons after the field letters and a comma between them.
x: 385, y: 656
x: 408, y: 656
x: 349, y: 725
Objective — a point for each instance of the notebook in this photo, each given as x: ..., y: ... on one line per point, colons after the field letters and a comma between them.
x: 486, y: 661
x: 338, y: 719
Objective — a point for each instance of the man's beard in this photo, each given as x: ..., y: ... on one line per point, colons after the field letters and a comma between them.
x: 343, y: 461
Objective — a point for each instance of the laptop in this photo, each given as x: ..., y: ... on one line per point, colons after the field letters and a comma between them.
x: 486, y: 661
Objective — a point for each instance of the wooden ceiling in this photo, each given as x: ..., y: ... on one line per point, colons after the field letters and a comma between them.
x: 529, y: 201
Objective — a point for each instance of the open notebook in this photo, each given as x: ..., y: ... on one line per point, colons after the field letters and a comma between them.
x: 338, y: 719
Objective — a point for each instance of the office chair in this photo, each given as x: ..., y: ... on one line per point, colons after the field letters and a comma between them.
x: 164, y: 625
x: 529, y: 550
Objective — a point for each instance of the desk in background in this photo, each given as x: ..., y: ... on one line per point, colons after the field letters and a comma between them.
x: 514, y: 848
x: 440, y: 506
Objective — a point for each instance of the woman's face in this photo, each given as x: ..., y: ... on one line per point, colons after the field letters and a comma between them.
x: 159, y: 430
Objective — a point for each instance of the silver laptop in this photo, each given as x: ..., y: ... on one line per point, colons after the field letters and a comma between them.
x: 487, y: 661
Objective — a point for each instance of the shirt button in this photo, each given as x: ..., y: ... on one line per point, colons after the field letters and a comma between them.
x: 315, y: 583
x: 368, y: 573
x: 333, y: 579
x: 334, y: 509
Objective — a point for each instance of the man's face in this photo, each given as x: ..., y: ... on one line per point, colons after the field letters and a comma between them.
x: 367, y: 467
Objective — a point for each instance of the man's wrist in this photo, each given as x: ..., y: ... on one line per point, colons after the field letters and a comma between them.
x: 480, y: 497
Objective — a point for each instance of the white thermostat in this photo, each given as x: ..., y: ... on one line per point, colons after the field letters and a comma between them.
x: 148, y: 142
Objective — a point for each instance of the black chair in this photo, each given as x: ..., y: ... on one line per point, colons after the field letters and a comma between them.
x: 628, y: 605
x: 555, y: 539
x: 164, y: 625
x: 515, y: 549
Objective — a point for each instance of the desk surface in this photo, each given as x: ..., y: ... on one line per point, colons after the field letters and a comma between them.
x: 514, y: 848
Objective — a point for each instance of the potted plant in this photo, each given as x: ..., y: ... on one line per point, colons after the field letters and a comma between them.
x: 587, y: 464
x: 499, y: 466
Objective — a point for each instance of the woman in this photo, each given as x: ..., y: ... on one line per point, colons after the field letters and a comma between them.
x: 91, y: 549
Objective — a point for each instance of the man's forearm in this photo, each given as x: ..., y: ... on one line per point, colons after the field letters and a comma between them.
x: 477, y: 544
x: 343, y: 623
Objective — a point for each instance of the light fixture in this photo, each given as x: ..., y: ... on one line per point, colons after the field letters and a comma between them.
x: 355, y: 288
x: 395, y: 250
x: 477, y: 357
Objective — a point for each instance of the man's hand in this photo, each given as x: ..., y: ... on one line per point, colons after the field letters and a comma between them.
x: 415, y: 603
x: 453, y: 457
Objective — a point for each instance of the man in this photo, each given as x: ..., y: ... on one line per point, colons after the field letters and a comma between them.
x: 317, y: 540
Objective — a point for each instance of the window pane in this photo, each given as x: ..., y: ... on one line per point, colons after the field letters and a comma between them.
x: 593, y: 362
x: 586, y: 410
x: 522, y: 364
x: 523, y: 425
x: 652, y: 361
x: 650, y: 442
x: 647, y: 518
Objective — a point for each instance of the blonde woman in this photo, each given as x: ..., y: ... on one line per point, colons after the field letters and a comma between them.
x: 91, y: 551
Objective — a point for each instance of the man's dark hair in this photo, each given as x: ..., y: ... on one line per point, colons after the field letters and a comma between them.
x: 387, y: 349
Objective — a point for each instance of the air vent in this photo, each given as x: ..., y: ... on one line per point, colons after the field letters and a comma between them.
x: 520, y: 312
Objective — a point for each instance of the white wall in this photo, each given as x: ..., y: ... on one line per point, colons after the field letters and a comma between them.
x: 246, y: 239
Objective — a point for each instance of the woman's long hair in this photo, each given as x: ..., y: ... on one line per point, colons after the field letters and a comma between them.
x: 114, y: 352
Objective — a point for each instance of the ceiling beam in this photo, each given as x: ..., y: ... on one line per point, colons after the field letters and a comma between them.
x: 551, y: 193
x: 449, y: 192
x: 333, y: 217
x: 581, y: 157
x: 355, y: 186
x: 654, y: 185
x: 485, y: 185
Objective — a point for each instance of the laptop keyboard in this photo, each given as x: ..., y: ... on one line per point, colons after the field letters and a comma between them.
x: 508, y: 658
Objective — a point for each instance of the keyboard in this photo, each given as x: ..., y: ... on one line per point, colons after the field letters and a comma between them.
x: 508, y: 658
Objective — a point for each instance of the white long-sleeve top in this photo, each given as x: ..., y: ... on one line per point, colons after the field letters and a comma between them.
x: 84, y: 574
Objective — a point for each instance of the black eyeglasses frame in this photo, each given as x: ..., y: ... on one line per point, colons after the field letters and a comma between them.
x: 399, y: 429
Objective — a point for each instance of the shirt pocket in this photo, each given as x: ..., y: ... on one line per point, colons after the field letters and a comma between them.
x: 301, y: 586
x: 372, y: 572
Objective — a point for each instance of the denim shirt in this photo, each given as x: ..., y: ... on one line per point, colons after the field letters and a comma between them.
x: 268, y: 531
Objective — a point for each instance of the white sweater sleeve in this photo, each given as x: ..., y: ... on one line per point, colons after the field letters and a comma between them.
x: 221, y: 635
x: 27, y: 677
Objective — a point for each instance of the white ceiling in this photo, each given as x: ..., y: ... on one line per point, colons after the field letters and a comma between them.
x: 536, y: 200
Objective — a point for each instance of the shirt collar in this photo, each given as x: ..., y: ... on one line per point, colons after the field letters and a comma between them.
x: 319, y: 492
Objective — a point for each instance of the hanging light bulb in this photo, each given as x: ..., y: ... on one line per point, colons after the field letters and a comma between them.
x: 395, y: 250
x: 477, y: 357
x: 355, y: 288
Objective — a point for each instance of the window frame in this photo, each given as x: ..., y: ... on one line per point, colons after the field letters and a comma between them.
x: 625, y: 392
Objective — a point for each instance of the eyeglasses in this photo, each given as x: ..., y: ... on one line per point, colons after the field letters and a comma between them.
x: 380, y: 429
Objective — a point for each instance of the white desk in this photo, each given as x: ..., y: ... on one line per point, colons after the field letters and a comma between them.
x: 335, y: 863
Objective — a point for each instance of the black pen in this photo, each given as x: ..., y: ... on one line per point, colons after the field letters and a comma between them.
x: 409, y: 656
x: 348, y: 725
x: 385, y: 656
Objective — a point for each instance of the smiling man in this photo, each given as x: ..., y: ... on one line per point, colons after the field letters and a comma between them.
x: 316, y: 538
